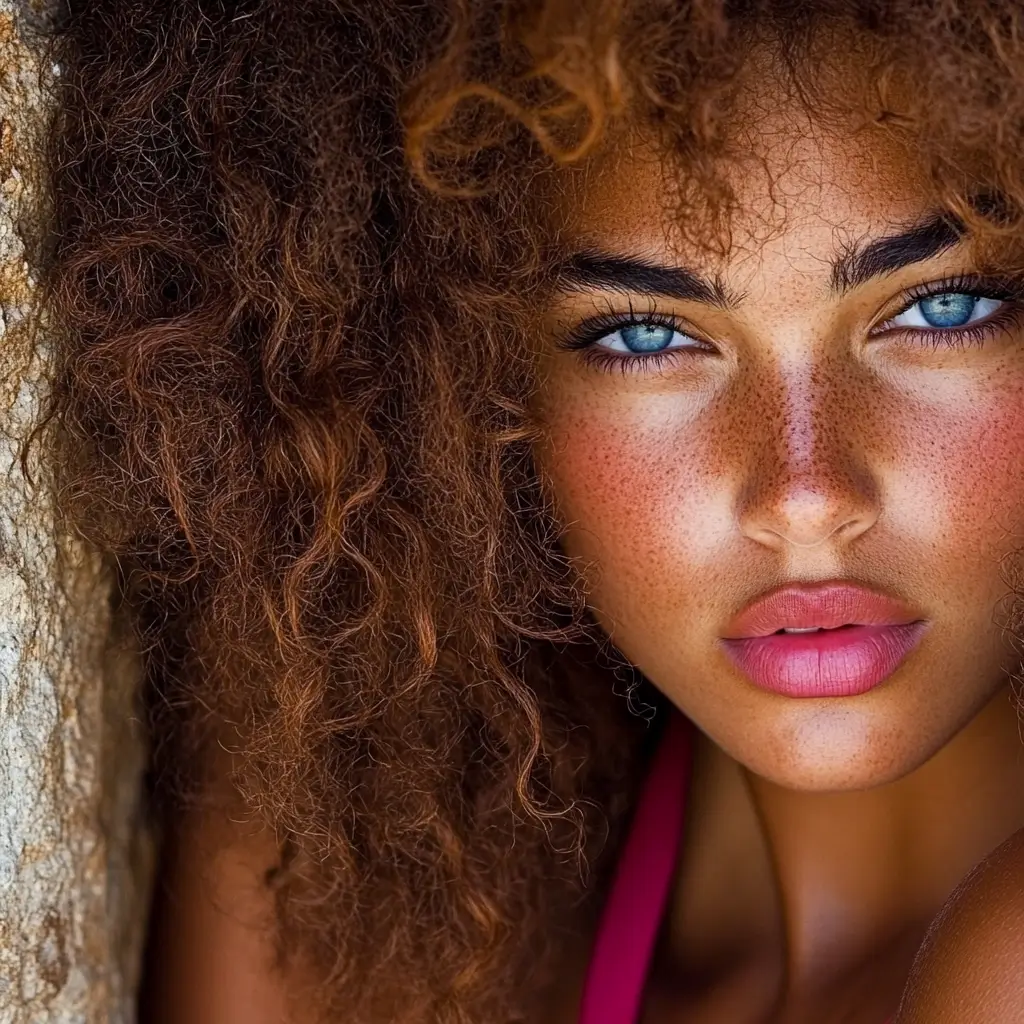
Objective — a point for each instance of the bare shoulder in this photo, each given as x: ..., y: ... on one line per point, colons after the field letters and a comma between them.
x: 971, y: 965
x: 212, y: 955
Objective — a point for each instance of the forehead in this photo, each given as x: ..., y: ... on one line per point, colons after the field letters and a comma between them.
x: 803, y: 189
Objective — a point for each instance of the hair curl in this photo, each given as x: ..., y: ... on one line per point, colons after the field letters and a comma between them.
x: 297, y: 257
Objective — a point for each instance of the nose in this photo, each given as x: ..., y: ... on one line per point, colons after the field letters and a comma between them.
x: 805, y: 483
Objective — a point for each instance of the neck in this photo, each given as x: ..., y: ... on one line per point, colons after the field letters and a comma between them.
x: 827, y: 880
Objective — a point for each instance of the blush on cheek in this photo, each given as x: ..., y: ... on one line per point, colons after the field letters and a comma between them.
x: 637, y: 501
x: 605, y: 484
x: 977, y: 460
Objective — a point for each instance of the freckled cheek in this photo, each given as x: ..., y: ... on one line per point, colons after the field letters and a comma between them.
x: 964, y: 477
x: 638, y: 499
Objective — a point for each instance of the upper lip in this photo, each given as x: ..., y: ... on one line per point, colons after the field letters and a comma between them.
x: 826, y: 604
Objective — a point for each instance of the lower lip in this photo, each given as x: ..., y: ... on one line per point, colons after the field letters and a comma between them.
x: 830, y: 663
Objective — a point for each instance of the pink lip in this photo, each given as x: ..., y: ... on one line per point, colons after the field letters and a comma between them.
x: 864, y: 636
x: 833, y: 663
x: 828, y: 604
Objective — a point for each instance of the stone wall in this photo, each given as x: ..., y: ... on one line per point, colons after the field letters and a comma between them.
x: 74, y: 857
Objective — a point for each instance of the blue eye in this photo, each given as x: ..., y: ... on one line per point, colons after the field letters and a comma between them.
x: 642, y: 339
x: 946, y: 310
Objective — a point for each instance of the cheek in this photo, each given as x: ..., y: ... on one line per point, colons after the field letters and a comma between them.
x: 959, y: 473
x: 638, y: 495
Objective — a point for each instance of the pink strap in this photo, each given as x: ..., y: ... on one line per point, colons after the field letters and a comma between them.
x: 629, y: 925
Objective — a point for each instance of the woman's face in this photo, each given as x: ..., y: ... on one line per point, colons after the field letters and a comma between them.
x: 799, y: 414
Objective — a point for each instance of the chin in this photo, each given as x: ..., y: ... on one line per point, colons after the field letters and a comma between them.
x: 834, y: 745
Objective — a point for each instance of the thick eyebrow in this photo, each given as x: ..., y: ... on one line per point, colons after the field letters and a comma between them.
x: 593, y: 269
x: 920, y: 242
x: 855, y: 265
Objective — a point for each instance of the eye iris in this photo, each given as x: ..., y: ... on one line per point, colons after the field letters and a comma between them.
x: 952, y: 309
x: 646, y: 337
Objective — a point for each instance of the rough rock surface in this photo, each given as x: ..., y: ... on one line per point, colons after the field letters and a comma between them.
x: 74, y: 856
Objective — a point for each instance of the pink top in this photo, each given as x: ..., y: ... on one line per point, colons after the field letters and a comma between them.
x: 614, y: 987
x: 632, y: 914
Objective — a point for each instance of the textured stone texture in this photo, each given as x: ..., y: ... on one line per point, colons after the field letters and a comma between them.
x: 74, y: 857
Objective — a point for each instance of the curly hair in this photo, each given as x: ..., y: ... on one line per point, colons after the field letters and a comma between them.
x: 298, y: 251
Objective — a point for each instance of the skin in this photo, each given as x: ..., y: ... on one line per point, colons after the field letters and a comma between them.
x: 968, y: 968
x: 211, y: 958
x: 824, y: 836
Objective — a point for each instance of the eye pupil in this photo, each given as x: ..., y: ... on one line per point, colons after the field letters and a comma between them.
x: 951, y: 309
x: 646, y: 337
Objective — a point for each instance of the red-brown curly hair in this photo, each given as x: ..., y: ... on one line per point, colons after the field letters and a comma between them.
x: 299, y: 247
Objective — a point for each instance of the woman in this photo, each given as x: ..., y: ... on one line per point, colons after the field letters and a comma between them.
x: 522, y: 426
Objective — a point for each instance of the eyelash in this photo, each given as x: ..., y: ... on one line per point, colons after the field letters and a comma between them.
x: 584, y: 336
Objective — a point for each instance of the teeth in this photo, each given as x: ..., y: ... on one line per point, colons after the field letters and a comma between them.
x: 809, y: 629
